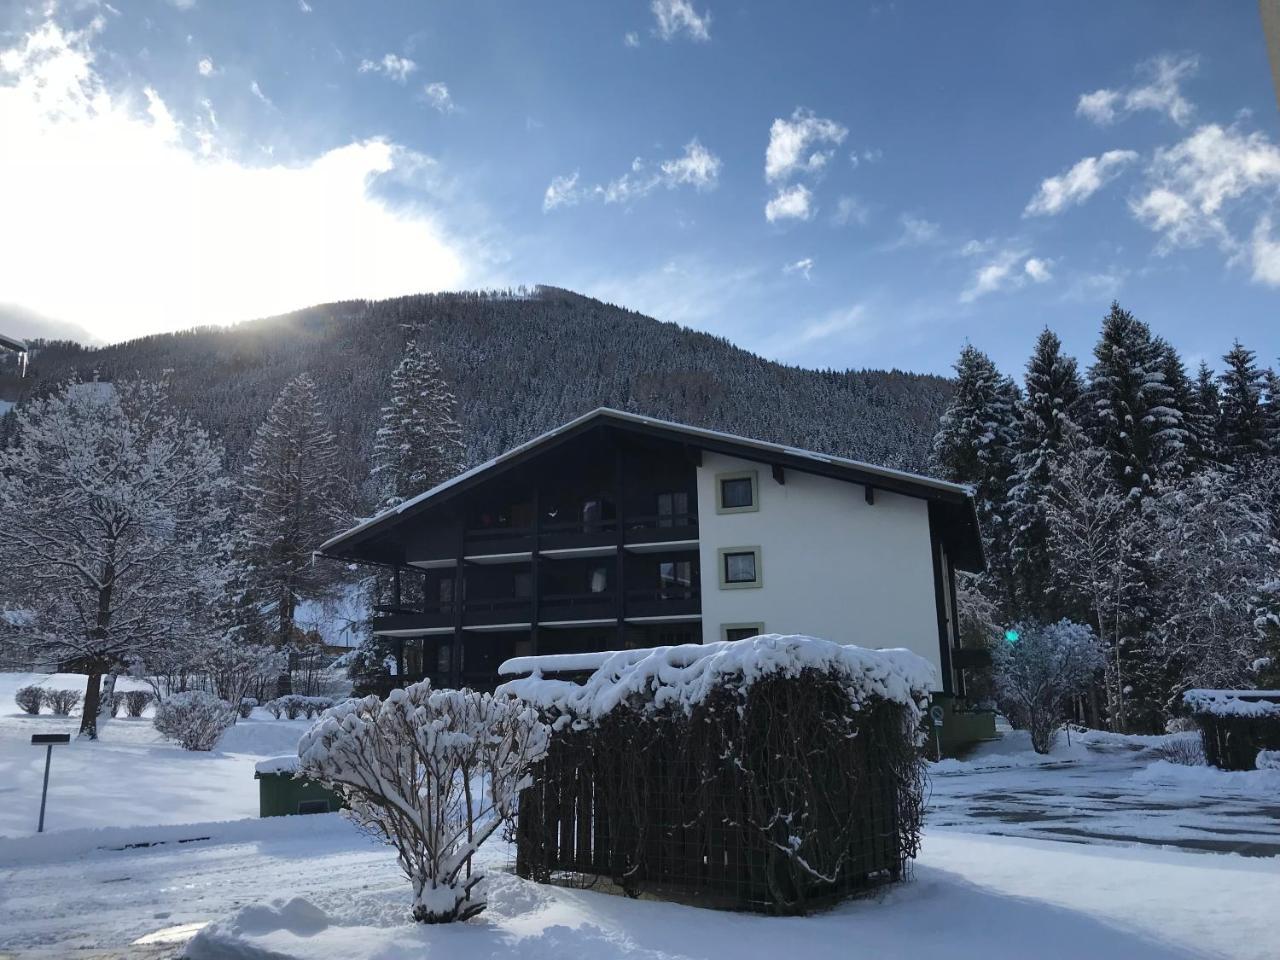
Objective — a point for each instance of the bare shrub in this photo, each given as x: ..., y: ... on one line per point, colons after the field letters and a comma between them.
x: 195, y: 719
x: 62, y: 702
x: 136, y: 701
x: 274, y: 707
x: 246, y: 707
x: 1186, y: 749
x: 30, y: 699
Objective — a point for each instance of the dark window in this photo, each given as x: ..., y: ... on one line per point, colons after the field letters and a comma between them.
x: 444, y: 658
x: 523, y: 585
x: 740, y: 567
x: 598, y: 580
x: 740, y: 633
x: 313, y: 806
x: 446, y: 590
x: 673, y: 508
x: 736, y: 492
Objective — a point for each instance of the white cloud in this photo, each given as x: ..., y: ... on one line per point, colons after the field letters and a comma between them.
x: 631, y: 39
x: 1159, y: 90
x: 437, y: 95
x: 696, y: 167
x: 1079, y: 183
x: 870, y: 155
x: 205, y: 66
x: 304, y: 6
x: 790, y: 203
x: 1009, y: 269
x: 850, y: 210
x: 159, y: 236
x: 1264, y: 253
x: 561, y: 192
x: 1038, y: 269
x: 257, y: 92
x: 395, y: 67
x: 837, y: 321
x: 791, y: 144
x: 1195, y: 185
x: 679, y: 18
x: 916, y: 232
x: 804, y: 267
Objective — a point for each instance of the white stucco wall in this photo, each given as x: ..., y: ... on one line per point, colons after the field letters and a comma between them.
x: 833, y: 566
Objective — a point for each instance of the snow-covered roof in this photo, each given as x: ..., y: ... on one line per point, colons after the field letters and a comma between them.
x: 682, y: 676
x: 1234, y: 703
x: 276, y: 765
x: 746, y: 445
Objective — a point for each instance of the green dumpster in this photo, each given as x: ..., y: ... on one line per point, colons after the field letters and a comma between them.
x: 280, y: 794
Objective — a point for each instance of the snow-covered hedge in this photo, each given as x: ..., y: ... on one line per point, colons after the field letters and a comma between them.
x: 29, y: 699
x: 1236, y: 724
x: 1234, y: 703
x: 136, y: 701
x: 1268, y: 760
x: 246, y: 707
x: 434, y: 771
x: 294, y: 705
x: 682, y: 677
x: 195, y: 719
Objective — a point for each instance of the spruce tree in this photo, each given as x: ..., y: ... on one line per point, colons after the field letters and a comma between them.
x: 1130, y: 411
x: 1203, y: 427
x: 1052, y: 402
x: 975, y: 444
x: 419, y: 442
x: 292, y: 498
x: 1245, y: 431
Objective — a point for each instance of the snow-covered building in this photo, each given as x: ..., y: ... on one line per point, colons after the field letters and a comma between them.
x: 618, y: 531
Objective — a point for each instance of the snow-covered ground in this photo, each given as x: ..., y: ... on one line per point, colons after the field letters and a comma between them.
x: 150, y: 844
x: 132, y: 775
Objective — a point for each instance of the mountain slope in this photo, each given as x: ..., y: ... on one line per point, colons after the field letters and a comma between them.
x: 519, y: 365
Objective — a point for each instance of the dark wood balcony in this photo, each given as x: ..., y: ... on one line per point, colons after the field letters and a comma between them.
x: 664, y: 602
x: 487, y: 541
x: 498, y: 610
x: 391, y: 618
x: 661, y: 528
x: 578, y: 534
x: 576, y: 606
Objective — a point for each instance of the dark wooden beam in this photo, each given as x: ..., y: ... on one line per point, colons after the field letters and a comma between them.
x: 535, y: 580
x: 869, y: 493
x: 779, y: 473
x: 619, y: 580
x: 459, y: 593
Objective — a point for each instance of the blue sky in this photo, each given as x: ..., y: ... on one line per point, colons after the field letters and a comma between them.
x: 828, y: 184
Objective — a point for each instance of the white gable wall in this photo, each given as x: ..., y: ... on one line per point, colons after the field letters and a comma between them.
x: 832, y: 565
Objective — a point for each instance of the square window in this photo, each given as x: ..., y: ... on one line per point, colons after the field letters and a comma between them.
x: 740, y: 567
x: 740, y: 633
x: 736, y: 493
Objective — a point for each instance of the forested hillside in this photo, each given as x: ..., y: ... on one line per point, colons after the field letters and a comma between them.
x: 519, y: 365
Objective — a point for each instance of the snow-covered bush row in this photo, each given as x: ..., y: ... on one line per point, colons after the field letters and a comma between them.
x: 683, y: 676
x: 62, y: 702
x: 29, y: 699
x: 136, y: 701
x: 1268, y: 760
x: 434, y: 771
x: 246, y: 707
x: 295, y: 705
x: 195, y: 719
x: 1233, y: 703
x: 1036, y: 674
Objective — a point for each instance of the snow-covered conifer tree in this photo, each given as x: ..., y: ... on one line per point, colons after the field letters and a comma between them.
x: 975, y: 444
x: 419, y: 442
x: 292, y: 498
x: 1049, y: 411
x: 1203, y: 428
x: 1245, y: 428
x: 1129, y: 409
x: 110, y: 505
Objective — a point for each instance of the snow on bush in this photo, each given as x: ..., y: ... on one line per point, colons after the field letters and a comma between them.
x: 29, y: 699
x: 683, y: 676
x: 195, y: 719
x: 434, y: 771
x: 246, y: 707
x: 136, y: 701
x: 1037, y: 673
x: 1268, y: 760
x: 295, y: 705
x: 62, y: 702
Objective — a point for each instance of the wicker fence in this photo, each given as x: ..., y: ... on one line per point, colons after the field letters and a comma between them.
x: 776, y: 801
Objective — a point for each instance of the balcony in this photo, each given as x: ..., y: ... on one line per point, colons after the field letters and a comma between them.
x: 558, y: 607
x: 578, y: 534
x: 497, y: 611
x: 499, y: 541
x: 669, y: 601
x: 661, y: 528
x: 408, y: 621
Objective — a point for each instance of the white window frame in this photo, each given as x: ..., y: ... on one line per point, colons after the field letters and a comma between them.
x: 721, y: 572
x: 726, y: 627
x: 753, y: 476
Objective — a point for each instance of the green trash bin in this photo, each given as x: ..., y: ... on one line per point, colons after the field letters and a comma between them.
x: 280, y: 794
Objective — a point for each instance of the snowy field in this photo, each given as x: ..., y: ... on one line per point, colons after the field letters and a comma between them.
x: 1097, y: 850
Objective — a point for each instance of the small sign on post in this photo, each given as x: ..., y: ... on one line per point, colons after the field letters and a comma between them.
x: 936, y: 713
x: 47, y: 739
